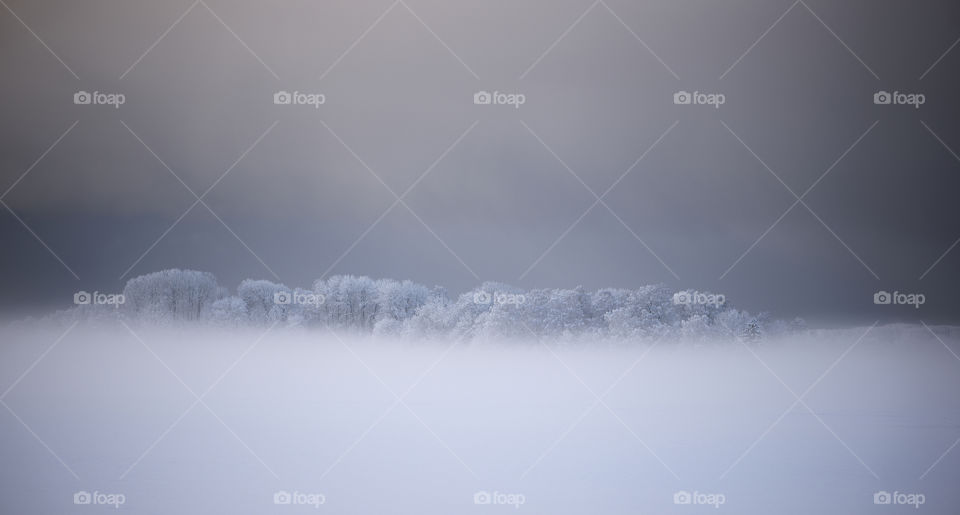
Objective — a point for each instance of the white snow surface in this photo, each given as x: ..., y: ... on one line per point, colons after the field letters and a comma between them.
x: 390, y: 425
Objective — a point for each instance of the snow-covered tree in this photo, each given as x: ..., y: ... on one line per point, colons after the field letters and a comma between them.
x: 172, y: 295
x: 399, y: 300
x: 265, y: 301
x: 493, y: 310
x: 229, y: 311
x: 350, y: 301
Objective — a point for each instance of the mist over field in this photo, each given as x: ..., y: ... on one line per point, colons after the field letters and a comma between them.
x: 388, y: 425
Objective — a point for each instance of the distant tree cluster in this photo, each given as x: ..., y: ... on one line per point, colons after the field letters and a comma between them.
x: 386, y: 307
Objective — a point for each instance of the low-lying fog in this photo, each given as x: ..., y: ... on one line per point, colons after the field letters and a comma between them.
x: 347, y: 424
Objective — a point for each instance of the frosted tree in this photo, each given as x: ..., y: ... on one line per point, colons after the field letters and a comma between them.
x: 229, y: 311
x: 172, y: 295
x: 264, y: 300
x: 399, y: 300
x: 493, y: 310
x: 752, y: 331
x: 565, y: 311
x: 351, y: 301
x: 697, y: 327
x: 607, y: 300
x: 436, y: 318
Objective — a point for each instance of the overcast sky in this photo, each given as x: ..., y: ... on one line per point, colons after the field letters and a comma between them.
x: 489, y: 192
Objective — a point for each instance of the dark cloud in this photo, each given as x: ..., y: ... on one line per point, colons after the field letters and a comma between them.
x: 400, y: 98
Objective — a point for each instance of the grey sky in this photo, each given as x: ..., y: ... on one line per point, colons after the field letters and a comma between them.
x: 598, y: 95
